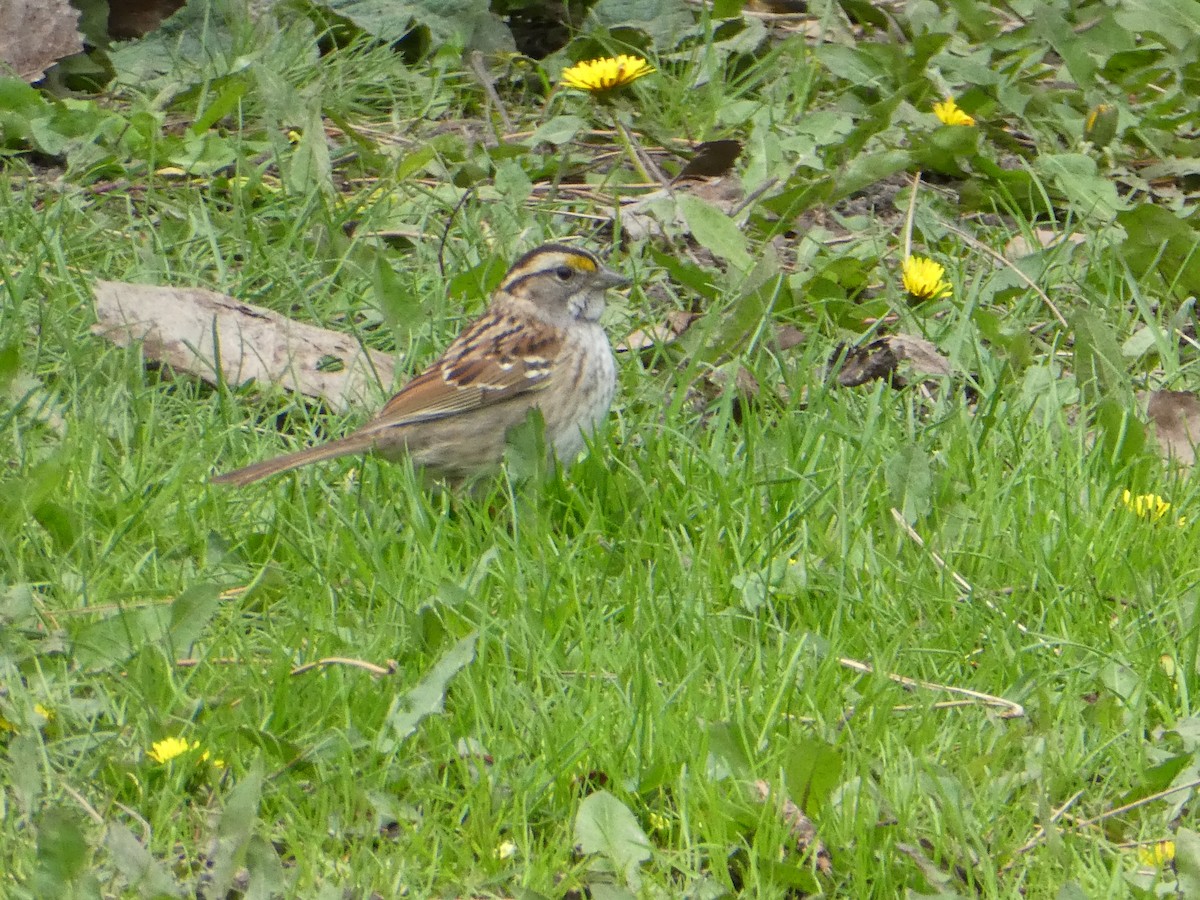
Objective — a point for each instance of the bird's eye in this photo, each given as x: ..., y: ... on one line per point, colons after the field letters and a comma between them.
x: 564, y: 273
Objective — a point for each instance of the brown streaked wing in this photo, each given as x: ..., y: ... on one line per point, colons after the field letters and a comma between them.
x: 496, y: 359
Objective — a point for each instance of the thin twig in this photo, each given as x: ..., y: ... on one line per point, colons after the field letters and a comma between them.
x: 1038, y: 835
x: 910, y: 215
x: 963, y: 584
x: 82, y: 801
x: 192, y: 662
x: 1008, y: 264
x: 941, y: 563
x: 389, y: 669
x: 752, y: 196
x: 108, y: 608
x: 641, y: 160
x: 475, y: 63
x: 446, y: 232
x: 1012, y: 710
x: 147, y: 831
x: 1096, y: 820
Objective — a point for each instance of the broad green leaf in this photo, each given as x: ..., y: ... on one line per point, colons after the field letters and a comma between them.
x: 24, y: 771
x: 60, y: 523
x: 62, y: 852
x: 662, y: 20
x: 525, y: 454
x: 1071, y: 891
x: 604, y: 825
x: 851, y: 64
x: 1139, y: 343
x: 427, y: 697
x: 112, y: 640
x: 19, y: 106
x: 310, y: 166
x: 18, y: 97
x: 203, y: 154
x: 141, y: 871
x: 1174, y: 20
x: 229, y: 95
x: 875, y: 119
x: 599, y: 889
x: 265, y: 869
x: 16, y: 606
x: 715, y: 231
x: 1050, y: 25
x: 1187, y: 862
x: 558, y: 130
x: 236, y: 827
x: 415, y: 162
x: 687, y: 274
x: 469, y: 24
x: 869, y: 168
x: 910, y: 479
x: 813, y: 768
x: 399, y: 307
x: 1099, y: 365
x: 1123, y: 434
x: 727, y: 752
x: 191, y: 611
x: 1159, y: 241
x: 512, y: 182
x: 1093, y: 195
x: 10, y: 364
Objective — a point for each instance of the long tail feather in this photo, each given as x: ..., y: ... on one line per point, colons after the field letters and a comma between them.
x: 354, y: 443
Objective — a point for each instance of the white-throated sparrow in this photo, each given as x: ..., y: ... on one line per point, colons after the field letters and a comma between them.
x: 539, y: 345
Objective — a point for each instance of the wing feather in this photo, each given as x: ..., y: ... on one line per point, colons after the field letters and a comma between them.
x: 496, y: 359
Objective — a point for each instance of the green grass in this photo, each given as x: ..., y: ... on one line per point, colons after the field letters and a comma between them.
x: 664, y: 621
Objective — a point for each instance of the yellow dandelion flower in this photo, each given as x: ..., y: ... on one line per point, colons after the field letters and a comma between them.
x: 606, y: 73
x: 43, y: 711
x: 1095, y: 114
x: 168, y: 748
x: 215, y: 763
x: 1146, y: 506
x: 923, y: 278
x: 949, y: 113
x: 1157, y: 854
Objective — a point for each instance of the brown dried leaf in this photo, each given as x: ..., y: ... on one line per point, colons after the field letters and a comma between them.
x: 920, y: 354
x: 858, y: 365
x: 1041, y: 239
x: 678, y: 321
x: 177, y: 326
x: 787, y: 337
x: 801, y: 827
x: 711, y: 159
x: 882, y: 359
x: 1175, y: 417
x: 35, y: 34
x: 135, y: 18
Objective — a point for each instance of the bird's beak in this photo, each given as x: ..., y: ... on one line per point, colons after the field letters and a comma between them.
x: 611, y: 279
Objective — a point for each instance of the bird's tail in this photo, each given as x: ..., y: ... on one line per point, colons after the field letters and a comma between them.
x: 354, y: 443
